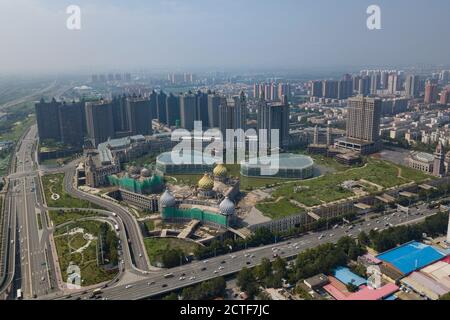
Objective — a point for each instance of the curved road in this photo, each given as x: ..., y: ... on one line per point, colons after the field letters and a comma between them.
x: 133, y: 231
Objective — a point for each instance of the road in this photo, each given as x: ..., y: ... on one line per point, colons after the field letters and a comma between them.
x: 156, y: 284
x: 133, y: 231
x: 35, y: 268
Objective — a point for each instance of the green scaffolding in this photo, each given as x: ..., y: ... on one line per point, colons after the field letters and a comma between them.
x: 197, y: 214
x: 150, y: 185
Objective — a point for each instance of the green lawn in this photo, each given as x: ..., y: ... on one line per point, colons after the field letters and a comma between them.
x: 54, y: 183
x: 278, y: 210
x: 156, y: 246
x: 60, y: 217
x: 327, y: 188
x: 246, y: 183
x: 91, y: 273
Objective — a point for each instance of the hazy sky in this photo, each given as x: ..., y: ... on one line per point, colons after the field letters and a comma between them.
x: 183, y: 34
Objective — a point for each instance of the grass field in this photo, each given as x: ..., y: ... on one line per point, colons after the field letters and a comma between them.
x: 60, y: 217
x: 156, y: 246
x: 246, y: 183
x: 327, y: 188
x: 53, y: 183
x: 91, y: 273
x: 279, y: 209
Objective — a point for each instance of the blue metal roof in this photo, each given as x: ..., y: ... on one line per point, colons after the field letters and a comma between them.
x: 411, y: 256
x: 346, y: 276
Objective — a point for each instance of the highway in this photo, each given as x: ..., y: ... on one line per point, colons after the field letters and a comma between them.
x: 157, y: 284
x: 37, y: 273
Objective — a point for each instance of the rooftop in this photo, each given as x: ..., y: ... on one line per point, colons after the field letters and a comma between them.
x: 411, y: 256
x: 286, y: 161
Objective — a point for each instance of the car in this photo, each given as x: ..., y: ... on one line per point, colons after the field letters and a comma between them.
x: 252, y: 256
x: 331, y: 235
x: 246, y: 255
x: 223, y: 262
x: 297, y: 247
x: 320, y: 237
x: 205, y: 261
x: 248, y: 262
x: 128, y: 286
x: 182, y: 278
x: 140, y: 255
x: 232, y: 257
x: 150, y: 283
x: 221, y: 268
x: 164, y: 285
x: 216, y: 272
x: 183, y: 274
x: 203, y: 269
x: 275, y: 255
x: 192, y: 278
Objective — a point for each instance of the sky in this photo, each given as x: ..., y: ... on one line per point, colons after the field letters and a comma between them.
x: 194, y: 35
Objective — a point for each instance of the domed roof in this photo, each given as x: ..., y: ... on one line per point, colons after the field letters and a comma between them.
x: 145, y: 172
x: 220, y: 171
x: 167, y: 200
x: 133, y: 170
x: 206, y: 183
x: 226, y: 207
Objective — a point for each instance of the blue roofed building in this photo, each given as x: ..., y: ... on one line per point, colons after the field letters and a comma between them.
x: 346, y: 276
x: 411, y: 256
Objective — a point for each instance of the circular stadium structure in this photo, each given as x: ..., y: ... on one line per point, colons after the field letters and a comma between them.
x: 193, y: 163
x: 290, y: 166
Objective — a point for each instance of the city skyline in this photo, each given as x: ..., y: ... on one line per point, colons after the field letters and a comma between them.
x: 203, y: 34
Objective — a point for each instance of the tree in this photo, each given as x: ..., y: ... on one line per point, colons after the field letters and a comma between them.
x: 172, y: 296
x: 247, y: 282
x: 264, y: 270
x: 363, y: 239
x: 171, y: 258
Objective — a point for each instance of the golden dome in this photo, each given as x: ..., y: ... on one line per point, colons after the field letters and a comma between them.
x: 220, y: 171
x: 206, y: 183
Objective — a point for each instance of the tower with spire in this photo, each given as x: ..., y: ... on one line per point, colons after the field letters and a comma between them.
x: 439, y: 158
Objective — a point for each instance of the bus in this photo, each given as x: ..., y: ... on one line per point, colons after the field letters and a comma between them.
x: 19, y: 294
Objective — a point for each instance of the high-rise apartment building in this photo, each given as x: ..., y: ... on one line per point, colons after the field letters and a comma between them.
x: 188, y: 110
x: 99, y: 121
x: 173, y: 110
x: 47, y: 118
x: 363, y: 125
x: 431, y: 93
x: 140, y: 120
x: 162, y: 107
x: 412, y: 86
x: 213, y: 110
x: 71, y: 122
x: 274, y: 116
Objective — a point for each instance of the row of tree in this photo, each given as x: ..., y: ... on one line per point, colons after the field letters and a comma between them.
x: 207, y: 290
x: 390, y: 238
x: 108, y: 243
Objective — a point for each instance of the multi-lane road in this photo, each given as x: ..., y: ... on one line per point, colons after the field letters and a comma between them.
x: 35, y: 272
x: 165, y: 281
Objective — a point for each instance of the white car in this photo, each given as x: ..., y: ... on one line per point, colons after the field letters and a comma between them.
x: 182, y: 278
x: 128, y: 286
x: 192, y: 278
